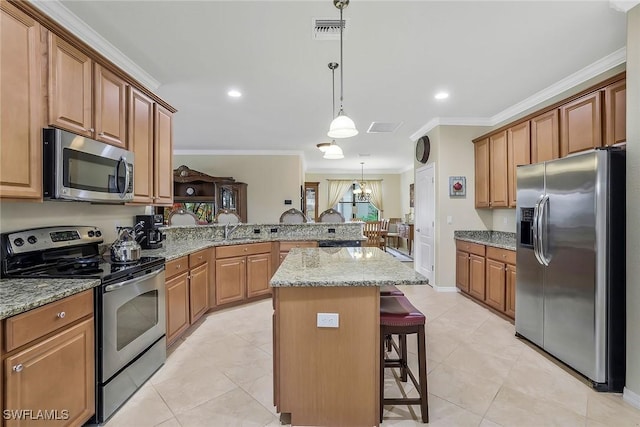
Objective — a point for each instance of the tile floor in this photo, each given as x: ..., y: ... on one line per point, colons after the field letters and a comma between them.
x: 220, y: 374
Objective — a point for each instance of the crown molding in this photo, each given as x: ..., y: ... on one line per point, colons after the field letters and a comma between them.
x: 239, y: 152
x: 593, y: 70
x: 622, y: 5
x: 58, y: 12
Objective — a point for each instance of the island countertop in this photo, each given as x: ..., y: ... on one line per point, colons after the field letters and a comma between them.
x: 367, y: 266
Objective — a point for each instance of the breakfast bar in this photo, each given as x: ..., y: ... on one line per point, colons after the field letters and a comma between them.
x: 326, y: 333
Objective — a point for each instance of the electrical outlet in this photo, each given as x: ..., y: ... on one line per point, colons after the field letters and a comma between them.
x: 328, y: 320
x: 331, y: 230
x: 256, y: 231
x: 274, y: 230
x: 449, y: 219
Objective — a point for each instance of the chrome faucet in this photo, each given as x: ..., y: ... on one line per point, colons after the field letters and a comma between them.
x: 227, y: 231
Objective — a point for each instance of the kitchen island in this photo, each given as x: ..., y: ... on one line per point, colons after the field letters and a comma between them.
x: 329, y: 375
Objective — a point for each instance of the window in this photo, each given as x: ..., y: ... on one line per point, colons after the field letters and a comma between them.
x: 349, y: 207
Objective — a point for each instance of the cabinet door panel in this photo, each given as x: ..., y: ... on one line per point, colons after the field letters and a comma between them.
x: 545, y: 137
x: 230, y: 279
x: 141, y: 144
x: 481, y: 150
x: 163, y: 155
x: 495, y: 277
x: 110, y: 107
x: 462, y: 271
x: 21, y: 98
x: 198, y: 291
x: 70, y: 84
x: 56, y: 374
x: 510, y: 308
x: 177, y: 300
x: 498, y: 173
x: 258, y: 274
x: 518, y: 153
x: 476, y: 276
x: 615, y: 100
x: 581, y: 124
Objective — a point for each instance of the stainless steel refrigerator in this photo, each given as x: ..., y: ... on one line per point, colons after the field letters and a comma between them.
x: 570, y: 262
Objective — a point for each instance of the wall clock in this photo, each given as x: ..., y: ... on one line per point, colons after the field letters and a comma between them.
x: 423, y: 148
x: 190, y: 191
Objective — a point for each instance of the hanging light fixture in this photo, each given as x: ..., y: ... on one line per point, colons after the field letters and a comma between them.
x: 332, y: 151
x: 342, y: 126
x: 362, y: 191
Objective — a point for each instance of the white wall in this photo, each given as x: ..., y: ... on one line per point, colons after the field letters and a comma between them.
x: 391, y: 191
x: 21, y: 215
x: 406, y: 179
x: 632, y: 392
x: 504, y: 220
x: 452, y: 153
x: 271, y: 179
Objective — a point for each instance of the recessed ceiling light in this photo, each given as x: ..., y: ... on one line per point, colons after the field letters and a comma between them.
x: 234, y: 93
x: 441, y: 95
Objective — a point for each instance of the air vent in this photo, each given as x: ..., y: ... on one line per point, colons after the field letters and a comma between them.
x: 328, y: 29
x: 383, y: 127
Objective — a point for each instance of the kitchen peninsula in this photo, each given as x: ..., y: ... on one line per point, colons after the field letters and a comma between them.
x: 329, y: 375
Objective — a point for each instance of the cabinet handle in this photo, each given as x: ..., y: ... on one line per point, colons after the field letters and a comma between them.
x: 200, y: 257
x: 246, y: 249
x: 178, y: 266
x: 18, y: 367
x: 61, y: 315
x: 92, y: 130
x: 101, y: 134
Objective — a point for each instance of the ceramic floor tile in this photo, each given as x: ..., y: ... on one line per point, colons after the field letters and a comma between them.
x: 235, y: 408
x: 172, y: 422
x: 610, y: 408
x: 261, y: 389
x: 144, y: 408
x: 485, y: 365
x: 513, y: 408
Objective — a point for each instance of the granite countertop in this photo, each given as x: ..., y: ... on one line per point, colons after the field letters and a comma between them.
x: 343, y: 267
x: 20, y: 295
x: 498, y: 239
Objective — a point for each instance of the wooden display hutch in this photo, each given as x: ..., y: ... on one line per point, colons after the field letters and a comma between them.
x: 205, y: 195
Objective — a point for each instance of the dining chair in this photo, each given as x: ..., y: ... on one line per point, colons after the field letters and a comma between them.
x: 292, y: 216
x: 331, y: 215
x: 226, y: 216
x: 372, y: 231
x: 384, y: 230
x: 182, y: 217
x: 392, y: 231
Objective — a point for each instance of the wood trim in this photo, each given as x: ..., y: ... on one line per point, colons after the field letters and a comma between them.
x: 61, y: 31
x: 555, y: 105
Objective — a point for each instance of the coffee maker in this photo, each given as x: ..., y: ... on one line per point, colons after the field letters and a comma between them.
x: 151, y: 237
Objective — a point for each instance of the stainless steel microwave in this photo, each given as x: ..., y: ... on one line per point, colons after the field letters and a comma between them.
x: 79, y: 168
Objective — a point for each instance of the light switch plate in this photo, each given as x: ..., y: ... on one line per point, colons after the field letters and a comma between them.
x: 328, y: 320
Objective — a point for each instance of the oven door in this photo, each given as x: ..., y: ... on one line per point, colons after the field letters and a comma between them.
x: 133, y: 318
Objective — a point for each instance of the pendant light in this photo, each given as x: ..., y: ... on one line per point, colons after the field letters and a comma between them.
x: 332, y: 151
x: 362, y: 190
x: 342, y: 126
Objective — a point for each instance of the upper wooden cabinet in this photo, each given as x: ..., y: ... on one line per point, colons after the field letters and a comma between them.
x: 481, y: 149
x: 545, y: 136
x: 141, y: 144
x: 581, y: 124
x: 615, y: 113
x: 163, y: 156
x: 21, y: 101
x: 518, y: 153
x: 73, y: 87
x: 498, y: 176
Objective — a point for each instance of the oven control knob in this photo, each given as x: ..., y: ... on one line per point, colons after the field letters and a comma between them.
x: 18, y: 242
x: 91, y: 233
x: 98, y: 233
x: 32, y: 239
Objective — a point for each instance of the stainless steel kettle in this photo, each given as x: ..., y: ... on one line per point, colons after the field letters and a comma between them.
x: 126, y: 249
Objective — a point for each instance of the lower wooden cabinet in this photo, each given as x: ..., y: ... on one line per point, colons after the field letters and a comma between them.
x: 242, y: 272
x: 187, y: 291
x: 285, y: 247
x: 53, y: 372
x: 487, y: 274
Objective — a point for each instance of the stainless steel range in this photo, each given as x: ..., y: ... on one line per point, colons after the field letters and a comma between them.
x: 129, y: 303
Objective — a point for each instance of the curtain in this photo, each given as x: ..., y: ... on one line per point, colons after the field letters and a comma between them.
x: 337, y: 188
x: 376, y: 195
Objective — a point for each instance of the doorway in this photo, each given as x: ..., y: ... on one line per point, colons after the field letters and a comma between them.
x: 424, y: 234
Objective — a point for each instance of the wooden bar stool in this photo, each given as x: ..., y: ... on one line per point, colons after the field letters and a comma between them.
x: 388, y: 290
x: 399, y: 317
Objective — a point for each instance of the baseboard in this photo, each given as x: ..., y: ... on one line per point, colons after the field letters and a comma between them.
x: 445, y: 288
x: 631, y: 398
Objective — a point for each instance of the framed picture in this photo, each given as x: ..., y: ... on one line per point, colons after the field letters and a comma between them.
x: 457, y: 186
x: 410, y: 195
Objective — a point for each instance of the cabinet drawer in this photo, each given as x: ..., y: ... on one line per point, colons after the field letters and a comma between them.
x: 176, y: 266
x: 473, y: 248
x: 26, y: 327
x: 287, y: 246
x: 197, y: 258
x: 504, y: 255
x: 241, y: 250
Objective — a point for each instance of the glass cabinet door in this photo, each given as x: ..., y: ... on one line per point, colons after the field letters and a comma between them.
x: 311, y: 200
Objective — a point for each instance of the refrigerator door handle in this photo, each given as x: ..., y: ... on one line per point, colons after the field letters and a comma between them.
x: 542, y: 223
x: 536, y: 230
